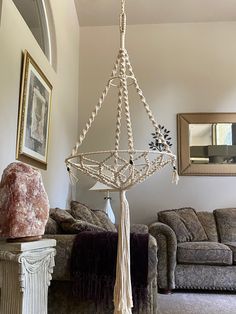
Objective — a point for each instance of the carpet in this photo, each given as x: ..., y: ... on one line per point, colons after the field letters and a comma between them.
x: 197, y: 303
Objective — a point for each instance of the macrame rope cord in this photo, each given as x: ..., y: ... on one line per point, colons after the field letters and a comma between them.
x: 118, y: 123
x: 96, y: 110
x: 122, y: 22
x: 122, y: 6
x: 126, y: 101
x: 175, y: 177
x: 146, y: 106
x: 122, y: 17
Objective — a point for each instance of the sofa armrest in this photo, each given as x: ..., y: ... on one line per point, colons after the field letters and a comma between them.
x: 152, y: 258
x: 167, y: 248
x: 139, y: 228
x: 64, y: 245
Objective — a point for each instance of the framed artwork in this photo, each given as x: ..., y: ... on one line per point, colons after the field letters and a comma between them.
x: 34, y: 112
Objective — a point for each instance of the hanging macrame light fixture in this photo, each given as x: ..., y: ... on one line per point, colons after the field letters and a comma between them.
x: 121, y: 169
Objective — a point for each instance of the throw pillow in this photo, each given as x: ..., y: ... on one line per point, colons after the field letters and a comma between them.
x: 52, y: 227
x: 104, y: 220
x: 83, y: 212
x: 208, y: 222
x: 60, y: 215
x: 172, y: 219
x: 78, y: 226
x: 226, y: 224
x: 185, y: 224
x: 192, y: 223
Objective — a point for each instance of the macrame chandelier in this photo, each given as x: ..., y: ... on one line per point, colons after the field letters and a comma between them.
x: 122, y: 169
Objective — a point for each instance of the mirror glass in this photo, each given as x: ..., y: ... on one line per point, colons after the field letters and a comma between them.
x: 212, y: 143
x: 207, y: 143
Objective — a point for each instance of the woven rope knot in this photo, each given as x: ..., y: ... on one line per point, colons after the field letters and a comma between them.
x: 123, y: 23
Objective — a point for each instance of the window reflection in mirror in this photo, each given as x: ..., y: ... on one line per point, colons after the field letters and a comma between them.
x: 212, y: 143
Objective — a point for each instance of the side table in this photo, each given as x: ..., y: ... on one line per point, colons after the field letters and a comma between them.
x: 25, y: 274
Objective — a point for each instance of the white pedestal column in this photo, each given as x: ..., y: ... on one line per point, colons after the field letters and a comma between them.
x: 25, y: 273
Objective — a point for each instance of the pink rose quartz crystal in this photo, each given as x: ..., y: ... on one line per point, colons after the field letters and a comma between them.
x: 24, y: 205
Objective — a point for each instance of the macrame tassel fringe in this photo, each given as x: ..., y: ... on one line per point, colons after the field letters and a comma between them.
x: 175, y: 176
x: 123, y: 301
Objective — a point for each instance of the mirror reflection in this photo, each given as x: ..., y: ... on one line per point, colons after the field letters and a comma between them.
x: 212, y: 143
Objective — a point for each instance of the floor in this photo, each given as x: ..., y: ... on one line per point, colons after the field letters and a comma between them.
x: 197, y: 303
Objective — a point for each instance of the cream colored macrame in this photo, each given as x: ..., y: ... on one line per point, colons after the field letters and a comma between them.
x: 121, y: 169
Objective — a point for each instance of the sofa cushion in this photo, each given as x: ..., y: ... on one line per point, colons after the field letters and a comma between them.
x: 210, y: 253
x: 208, y: 222
x: 232, y: 246
x: 226, y: 224
x: 79, y: 226
x: 185, y: 224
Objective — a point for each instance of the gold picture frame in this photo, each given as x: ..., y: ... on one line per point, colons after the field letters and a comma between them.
x: 34, y: 114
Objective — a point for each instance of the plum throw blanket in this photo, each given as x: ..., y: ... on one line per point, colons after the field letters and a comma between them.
x: 93, y: 266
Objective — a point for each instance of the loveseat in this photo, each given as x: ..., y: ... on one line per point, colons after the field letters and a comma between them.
x: 196, y: 250
x: 63, y: 225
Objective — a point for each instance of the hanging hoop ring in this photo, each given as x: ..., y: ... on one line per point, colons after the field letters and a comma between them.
x: 131, y: 82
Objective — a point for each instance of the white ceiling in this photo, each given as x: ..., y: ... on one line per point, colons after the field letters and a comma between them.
x: 106, y: 12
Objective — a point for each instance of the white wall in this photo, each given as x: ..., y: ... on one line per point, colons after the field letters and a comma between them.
x: 15, y: 37
x: 181, y: 68
x: 0, y: 10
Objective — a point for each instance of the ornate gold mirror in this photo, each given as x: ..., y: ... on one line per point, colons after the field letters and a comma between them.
x: 207, y: 144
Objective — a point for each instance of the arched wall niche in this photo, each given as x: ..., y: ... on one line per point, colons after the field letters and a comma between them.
x: 38, y: 16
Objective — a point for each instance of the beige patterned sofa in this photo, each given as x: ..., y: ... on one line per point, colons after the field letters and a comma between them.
x: 196, y: 250
x: 63, y: 226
